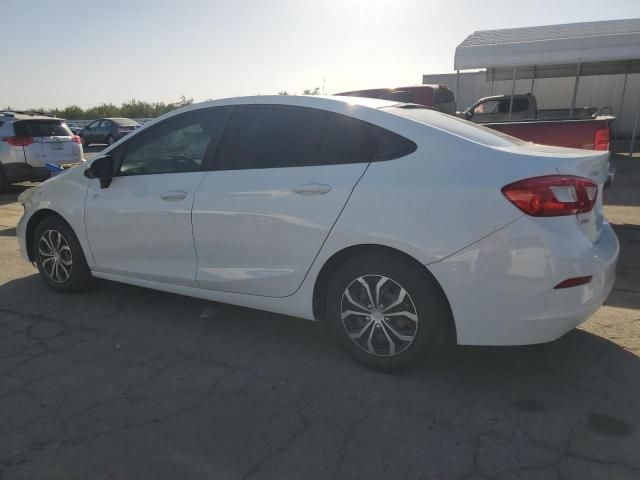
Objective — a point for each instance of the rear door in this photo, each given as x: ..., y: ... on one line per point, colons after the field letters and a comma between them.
x: 100, y: 134
x: 48, y: 141
x: 281, y: 180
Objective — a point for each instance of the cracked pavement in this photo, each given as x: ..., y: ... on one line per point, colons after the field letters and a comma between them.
x: 124, y: 382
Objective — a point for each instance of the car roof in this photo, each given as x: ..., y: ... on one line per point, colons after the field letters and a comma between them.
x: 15, y: 116
x: 318, y: 101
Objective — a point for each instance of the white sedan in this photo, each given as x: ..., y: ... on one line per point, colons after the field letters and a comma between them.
x: 397, y: 226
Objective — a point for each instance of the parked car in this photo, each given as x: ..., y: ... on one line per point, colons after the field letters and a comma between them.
x: 107, y: 130
x: 28, y: 142
x: 397, y: 226
x: 438, y: 97
x: 74, y: 127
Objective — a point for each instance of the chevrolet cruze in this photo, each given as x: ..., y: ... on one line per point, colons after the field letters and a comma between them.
x: 396, y: 225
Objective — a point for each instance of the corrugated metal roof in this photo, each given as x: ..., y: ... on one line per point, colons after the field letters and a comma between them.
x: 552, y: 32
x: 551, y: 45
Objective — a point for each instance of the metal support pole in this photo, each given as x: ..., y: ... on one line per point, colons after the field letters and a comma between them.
x: 635, y: 129
x: 458, y: 87
x: 575, y: 90
x: 533, y: 80
x: 491, y: 84
x: 513, y: 91
x: 620, y: 108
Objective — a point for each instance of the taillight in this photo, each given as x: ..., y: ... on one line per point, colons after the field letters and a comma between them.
x: 573, y: 282
x: 18, y: 141
x: 76, y: 139
x: 601, y: 138
x: 552, y: 195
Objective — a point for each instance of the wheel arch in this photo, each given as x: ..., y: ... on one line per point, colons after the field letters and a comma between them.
x: 333, y: 263
x: 33, y: 223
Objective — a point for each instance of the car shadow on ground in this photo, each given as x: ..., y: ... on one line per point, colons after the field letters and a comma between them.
x: 11, y: 195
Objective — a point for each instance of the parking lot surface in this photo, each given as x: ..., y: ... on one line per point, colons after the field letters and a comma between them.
x: 123, y: 383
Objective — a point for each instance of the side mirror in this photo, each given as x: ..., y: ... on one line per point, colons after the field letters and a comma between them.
x: 103, y: 168
x: 468, y: 114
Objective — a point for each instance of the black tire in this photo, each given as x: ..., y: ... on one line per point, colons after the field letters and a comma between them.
x: 4, y: 183
x: 79, y: 276
x: 429, y: 333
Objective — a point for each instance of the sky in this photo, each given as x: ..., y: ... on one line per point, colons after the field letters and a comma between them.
x: 56, y: 54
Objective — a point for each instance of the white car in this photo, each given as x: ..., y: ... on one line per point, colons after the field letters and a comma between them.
x: 394, y: 224
x: 28, y: 142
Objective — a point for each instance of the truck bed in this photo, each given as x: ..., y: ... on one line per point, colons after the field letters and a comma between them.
x: 572, y: 133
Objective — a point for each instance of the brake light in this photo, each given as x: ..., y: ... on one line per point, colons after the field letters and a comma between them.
x: 552, y: 195
x: 601, y: 138
x: 573, y: 282
x: 18, y: 141
x: 76, y: 139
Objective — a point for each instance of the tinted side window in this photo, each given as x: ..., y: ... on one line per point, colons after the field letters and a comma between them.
x: 286, y: 136
x: 350, y: 140
x: 264, y: 136
x: 177, y: 145
x: 519, y: 105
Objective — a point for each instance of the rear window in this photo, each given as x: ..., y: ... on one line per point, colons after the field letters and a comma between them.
x: 456, y: 126
x: 125, y: 122
x: 398, y: 96
x: 41, y: 128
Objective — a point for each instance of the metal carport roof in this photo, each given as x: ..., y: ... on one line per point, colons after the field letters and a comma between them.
x: 615, y: 42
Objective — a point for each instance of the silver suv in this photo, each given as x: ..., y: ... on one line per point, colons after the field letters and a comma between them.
x: 28, y: 142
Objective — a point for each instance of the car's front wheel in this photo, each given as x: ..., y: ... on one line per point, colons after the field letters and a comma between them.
x: 59, y: 256
x: 386, y: 312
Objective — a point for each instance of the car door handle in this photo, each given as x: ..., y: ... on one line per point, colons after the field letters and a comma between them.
x: 312, y: 189
x: 174, y: 195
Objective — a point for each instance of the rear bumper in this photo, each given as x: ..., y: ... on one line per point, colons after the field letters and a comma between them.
x: 501, y: 288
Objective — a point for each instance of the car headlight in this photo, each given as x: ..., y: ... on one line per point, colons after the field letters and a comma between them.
x: 26, y: 195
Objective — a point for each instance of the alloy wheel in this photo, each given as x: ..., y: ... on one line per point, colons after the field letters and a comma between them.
x: 379, y: 315
x: 55, y: 256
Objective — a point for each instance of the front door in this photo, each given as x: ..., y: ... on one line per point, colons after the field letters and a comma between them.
x: 140, y: 226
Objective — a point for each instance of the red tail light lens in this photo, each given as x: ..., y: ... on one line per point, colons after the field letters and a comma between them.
x: 601, y: 138
x: 573, y: 282
x: 552, y: 195
x: 76, y: 139
x: 18, y: 141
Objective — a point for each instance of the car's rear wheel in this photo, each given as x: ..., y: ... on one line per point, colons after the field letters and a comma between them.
x: 59, y: 256
x: 386, y: 312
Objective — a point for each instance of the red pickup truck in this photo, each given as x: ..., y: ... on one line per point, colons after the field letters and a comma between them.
x: 547, y: 127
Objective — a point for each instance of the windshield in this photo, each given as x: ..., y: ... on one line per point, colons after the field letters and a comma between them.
x: 41, y: 128
x: 454, y: 125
